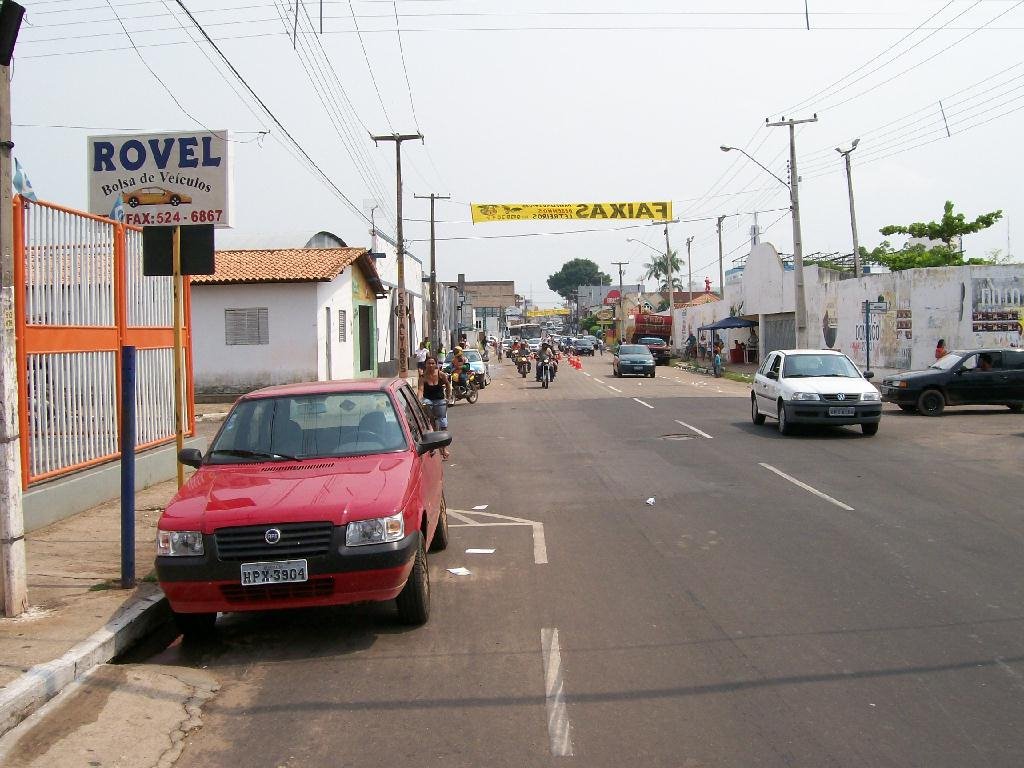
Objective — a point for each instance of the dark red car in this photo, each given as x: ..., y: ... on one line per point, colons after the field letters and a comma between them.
x: 658, y: 348
x: 311, y: 495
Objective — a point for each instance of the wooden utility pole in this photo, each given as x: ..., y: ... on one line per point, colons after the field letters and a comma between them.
x: 622, y: 319
x: 689, y: 268
x: 798, y: 245
x: 402, y: 310
x: 433, y: 271
x: 13, y: 580
x: 671, y: 286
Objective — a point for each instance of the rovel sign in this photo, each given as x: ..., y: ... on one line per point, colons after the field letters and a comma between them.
x: 162, y: 179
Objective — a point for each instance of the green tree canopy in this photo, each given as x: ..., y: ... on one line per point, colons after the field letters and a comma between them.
x: 655, y: 269
x: 947, y: 230
x: 575, y: 273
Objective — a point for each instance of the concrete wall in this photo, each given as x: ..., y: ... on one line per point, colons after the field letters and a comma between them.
x: 969, y: 307
x: 331, y: 297
x: 290, y: 356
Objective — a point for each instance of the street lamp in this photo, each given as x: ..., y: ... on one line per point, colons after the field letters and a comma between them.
x: 798, y: 255
x: 853, y: 216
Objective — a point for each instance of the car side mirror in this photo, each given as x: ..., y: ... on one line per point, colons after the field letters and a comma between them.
x: 772, y: 375
x: 190, y: 457
x: 431, y: 441
x: 869, y: 374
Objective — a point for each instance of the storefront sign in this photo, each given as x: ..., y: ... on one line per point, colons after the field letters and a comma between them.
x: 161, y: 179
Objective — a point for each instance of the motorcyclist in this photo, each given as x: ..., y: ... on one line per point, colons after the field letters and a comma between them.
x: 546, y: 351
x: 460, y: 367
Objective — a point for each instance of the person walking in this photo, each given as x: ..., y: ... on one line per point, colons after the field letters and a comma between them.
x: 421, y: 357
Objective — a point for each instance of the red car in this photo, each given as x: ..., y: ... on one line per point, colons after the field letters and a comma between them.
x: 311, y: 495
x: 659, y: 348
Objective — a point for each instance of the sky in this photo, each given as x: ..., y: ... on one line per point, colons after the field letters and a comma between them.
x: 547, y: 101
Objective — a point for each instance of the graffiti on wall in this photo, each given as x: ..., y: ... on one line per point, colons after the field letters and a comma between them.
x: 996, y: 304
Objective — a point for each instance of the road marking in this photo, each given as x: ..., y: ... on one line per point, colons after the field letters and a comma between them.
x: 540, y: 547
x: 615, y: 388
x: 586, y: 374
x: 806, y: 487
x: 648, y: 405
x: 554, y: 693
x: 703, y: 434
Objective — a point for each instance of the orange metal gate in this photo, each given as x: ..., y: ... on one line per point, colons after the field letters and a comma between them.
x: 81, y: 297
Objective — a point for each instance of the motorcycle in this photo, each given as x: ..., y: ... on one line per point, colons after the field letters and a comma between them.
x: 523, y: 364
x: 545, y: 370
x: 467, y: 391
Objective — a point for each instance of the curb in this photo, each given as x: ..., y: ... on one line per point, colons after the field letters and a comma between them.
x: 44, y: 681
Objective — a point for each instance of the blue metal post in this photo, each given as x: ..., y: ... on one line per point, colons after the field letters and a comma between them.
x: 127, y: 467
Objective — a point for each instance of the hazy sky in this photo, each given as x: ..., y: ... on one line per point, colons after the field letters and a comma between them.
x: 548, y: 101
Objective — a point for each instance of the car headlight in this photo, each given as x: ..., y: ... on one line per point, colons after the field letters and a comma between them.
x: 871, y: 397
x: 805, y: 396
x: 375, y: 531
x: 179, y: 543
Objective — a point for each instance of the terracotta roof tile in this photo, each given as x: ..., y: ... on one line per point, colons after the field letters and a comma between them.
x: 704, y: 298
x: 285, y: 265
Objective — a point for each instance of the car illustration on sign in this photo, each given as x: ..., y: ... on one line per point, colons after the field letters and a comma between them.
x: 154, y: 196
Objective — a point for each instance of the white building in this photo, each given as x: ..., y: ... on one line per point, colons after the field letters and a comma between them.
x: 280, y: 316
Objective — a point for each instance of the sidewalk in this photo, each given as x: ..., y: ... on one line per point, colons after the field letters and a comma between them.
x: 78, y: 615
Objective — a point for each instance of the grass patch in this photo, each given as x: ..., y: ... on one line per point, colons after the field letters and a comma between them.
x: 103, y: 586
x: 150, y: 577
x: 746, y: 378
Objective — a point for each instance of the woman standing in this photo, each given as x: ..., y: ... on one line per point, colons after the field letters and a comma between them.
x: 433, y: 388
x: 940, y: 349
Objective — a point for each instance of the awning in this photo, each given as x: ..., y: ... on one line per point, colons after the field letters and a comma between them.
x: 728, y: 322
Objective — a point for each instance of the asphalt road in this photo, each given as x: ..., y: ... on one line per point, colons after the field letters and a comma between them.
x: 825, y: 599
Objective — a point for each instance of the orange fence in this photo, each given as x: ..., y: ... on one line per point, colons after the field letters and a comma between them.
x: 81, y: 297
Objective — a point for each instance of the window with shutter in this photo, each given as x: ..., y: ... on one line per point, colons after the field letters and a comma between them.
x: 342, y: 326
x: 249, y: 325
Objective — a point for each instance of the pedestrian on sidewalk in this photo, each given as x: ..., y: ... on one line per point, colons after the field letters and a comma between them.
x: 421, y: 357
x: 718, y: 363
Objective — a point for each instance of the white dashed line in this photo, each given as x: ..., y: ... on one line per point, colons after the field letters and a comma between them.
x: 703, y: 434
x: 615, y: 388
x: 586, y: 374
x: 806, y: 487
x: 554, y: 693
x: 648, y: 405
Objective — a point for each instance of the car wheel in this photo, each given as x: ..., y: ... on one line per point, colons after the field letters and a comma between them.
x: 133, y: 201
x: 785, y: 427
x: 755, y: 415
x: 195, y: 626
x: 440, y: 541
x: 869, y: 429
x: 931, y: 402
x: 175, y: 200
x: 414, y: 600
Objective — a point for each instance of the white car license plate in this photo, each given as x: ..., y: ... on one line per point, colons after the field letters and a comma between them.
x: 845, y: 411
x: 279, y: 572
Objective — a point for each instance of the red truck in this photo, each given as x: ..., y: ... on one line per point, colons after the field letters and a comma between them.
x: 652, y: 331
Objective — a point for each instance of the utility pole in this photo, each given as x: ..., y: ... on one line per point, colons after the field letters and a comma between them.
x: 798, y: 246
x: 622, y: 320
x: 671, y: 287
x: 721, y: 268
x: 853, y: 214
x: 12, y: 521
x: 402, y: 309
x: 689, y: 268
x: 433, y: 270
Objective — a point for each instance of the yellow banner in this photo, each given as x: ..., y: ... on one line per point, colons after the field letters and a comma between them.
x: 658, y: 210
x: 546, y: 312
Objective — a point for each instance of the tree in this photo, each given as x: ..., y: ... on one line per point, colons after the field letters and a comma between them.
x: 655, y: 269
x: 948, y: 230
x: 575, y: 273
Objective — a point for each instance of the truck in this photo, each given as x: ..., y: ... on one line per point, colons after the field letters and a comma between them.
x: 653, y: 331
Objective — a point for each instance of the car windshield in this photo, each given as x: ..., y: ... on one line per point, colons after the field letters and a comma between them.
x: 651, y: 340
x: 947, y: 362
x: 806, y: 366
x: 304, y: 426
x: 634, y: 349
x: 472, y: 356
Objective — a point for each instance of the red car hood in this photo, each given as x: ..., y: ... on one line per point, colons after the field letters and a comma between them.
x: 336, y: 490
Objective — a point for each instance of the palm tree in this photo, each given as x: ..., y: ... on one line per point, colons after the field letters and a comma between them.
x: 655, y: 269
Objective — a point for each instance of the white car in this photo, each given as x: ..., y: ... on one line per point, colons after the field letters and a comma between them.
x: 814, y: 386
x: 533, y: 344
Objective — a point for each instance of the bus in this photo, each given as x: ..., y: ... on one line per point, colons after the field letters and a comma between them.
x: 525, y: 331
